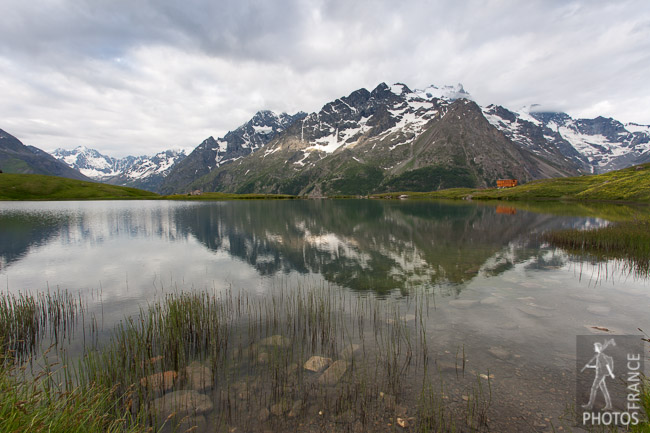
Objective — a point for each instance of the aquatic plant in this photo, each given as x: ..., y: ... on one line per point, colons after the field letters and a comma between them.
x: 38, y: 404
x: 628, y: 242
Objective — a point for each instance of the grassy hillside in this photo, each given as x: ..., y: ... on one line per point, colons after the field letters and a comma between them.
x: 40, y: 187
x: 630, y: 184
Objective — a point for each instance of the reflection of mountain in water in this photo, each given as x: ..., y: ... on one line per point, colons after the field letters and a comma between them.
x: 21, y: 231
x: 369, y: 245
x: 25, y: 229
x: 360, y: 244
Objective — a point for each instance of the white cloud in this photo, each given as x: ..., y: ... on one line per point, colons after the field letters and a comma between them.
x: 138, y: 77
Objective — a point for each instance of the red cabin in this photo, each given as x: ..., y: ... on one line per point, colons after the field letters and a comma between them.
x: 506, y: 183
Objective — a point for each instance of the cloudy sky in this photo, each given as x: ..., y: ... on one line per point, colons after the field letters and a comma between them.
x: 139, y: 76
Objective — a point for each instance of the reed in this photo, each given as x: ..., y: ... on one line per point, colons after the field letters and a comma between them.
x: 25, y: 319
x: 38, y: 404
x: 628, y: 242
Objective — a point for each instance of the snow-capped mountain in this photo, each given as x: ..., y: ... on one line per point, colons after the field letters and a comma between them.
x: 392, y: 138
x: 594, y: 145
x: 91, y: 163
x: 145, y: 172
x: 236, y: 144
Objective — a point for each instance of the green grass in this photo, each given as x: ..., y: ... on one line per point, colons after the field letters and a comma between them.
x: 37, y: 404
x: 627, y: 185
x: 40, y: 187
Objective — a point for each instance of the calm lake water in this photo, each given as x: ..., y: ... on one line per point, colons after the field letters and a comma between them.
x: 510, y: 303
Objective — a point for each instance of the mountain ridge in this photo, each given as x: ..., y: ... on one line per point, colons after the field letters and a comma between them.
x: 374, y: 139
x: 144, y: 172
x: 15, y: 157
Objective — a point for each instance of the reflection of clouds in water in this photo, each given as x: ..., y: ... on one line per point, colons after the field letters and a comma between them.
x: 363, y: 245
x: 131, y: 268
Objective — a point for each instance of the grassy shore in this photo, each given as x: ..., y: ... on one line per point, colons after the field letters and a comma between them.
x: 628, y: 185
x: 40, y: 187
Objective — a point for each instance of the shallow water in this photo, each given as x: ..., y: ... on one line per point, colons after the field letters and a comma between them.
x: 509, y: 306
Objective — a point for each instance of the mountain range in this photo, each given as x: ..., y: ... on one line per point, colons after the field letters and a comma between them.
x: 144, y: 172
x: 15, y: 157
x: 396, y: 139
x: 389, y: 139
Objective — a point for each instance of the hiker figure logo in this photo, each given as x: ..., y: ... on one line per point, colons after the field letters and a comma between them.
x: 604, y: 366
x: 609, y: 379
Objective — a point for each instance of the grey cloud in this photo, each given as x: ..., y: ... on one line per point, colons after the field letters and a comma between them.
x: 129, y: 76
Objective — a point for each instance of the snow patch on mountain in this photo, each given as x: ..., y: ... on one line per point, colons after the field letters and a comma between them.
x: 598, y: 144
x: 122, y: 171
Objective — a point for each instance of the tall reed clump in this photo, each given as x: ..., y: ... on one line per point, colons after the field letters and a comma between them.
x: 39, y: 404
x: 25, y: 319
x: 628, y: 242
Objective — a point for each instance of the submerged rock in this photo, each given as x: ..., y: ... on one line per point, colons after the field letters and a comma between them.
x: 448, y: 367
x: 276, y: 341
x: 263, y: 358
x: 389, y: 400
x: 334, y: 373
x: 183, y: 403
x: 463, y: 303
x: 295, y: 409
x: 499, y: 353
x: 280, y: 408
x: 534, y: 312
x: 317, y: 363
x: 599, y: 310
x: 196, y: 422
x: 349, y: 351
x: 199, y: 377
x: 160, y: 381
x: 490, y: 300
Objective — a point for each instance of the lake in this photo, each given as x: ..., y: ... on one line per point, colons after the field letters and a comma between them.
x: 472, y: 285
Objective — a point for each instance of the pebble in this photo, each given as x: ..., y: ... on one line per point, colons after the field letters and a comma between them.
x: 402, y: 422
